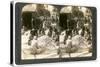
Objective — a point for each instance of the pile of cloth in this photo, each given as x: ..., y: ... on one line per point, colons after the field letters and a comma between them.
x: 46, y: 42
x: 79, y: 43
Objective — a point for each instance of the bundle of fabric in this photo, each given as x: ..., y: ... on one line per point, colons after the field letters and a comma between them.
x: 46, y: 42
x: 79, y: 42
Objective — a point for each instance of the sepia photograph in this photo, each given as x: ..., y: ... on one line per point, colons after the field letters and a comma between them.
x: 56, y: 31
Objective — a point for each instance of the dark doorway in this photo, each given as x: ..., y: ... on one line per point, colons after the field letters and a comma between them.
x: 27, y: 19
